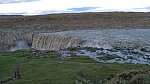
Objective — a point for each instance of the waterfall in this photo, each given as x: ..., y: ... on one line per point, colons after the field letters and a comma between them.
x: 20, y: 45
x: 54, y: 41
x: 106, y: 38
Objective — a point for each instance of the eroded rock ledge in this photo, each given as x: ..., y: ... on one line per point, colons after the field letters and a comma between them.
x: 106, y: 38
x: 10, y: 38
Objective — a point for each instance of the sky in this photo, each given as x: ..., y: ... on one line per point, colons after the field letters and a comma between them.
x: 40, y: 7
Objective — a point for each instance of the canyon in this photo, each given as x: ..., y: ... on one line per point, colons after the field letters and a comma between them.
x: 57, y: 40
x: 103, y: 45
x: 85, y: 30
x: 124, y: 29
x: 90, y: 47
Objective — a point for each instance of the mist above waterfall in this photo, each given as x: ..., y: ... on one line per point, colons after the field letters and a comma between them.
x: 20, y: 45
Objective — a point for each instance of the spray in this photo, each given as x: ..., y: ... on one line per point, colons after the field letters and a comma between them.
x: 20, y: 45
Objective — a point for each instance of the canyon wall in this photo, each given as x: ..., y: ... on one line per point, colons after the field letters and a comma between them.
x: 10, y: 38
x: 46, y: 40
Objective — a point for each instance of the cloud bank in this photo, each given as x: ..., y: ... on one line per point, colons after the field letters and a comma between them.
x: 37, y: 7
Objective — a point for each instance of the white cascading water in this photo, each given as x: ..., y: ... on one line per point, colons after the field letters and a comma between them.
x: 54, y: 41
x: 20, y: 45
x: 106, y: 38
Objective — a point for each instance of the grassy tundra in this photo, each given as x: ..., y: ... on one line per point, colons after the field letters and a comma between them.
x: 51, y: 69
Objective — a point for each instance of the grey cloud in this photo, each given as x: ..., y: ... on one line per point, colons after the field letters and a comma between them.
x: 82, y: 8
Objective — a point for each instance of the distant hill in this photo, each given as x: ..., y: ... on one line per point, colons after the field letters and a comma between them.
x: 73, y: 21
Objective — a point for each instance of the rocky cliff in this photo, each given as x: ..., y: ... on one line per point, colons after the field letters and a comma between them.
x: 10, y: 38
x: 45, y: 40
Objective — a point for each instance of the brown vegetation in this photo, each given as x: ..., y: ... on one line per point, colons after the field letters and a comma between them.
x: 77, y: 21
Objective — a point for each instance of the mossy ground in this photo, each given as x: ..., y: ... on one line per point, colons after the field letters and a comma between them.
x: 73, y: 70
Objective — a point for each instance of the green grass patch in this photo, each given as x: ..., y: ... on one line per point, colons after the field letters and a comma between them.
x: 17, y: 54
x: 77, y: 69
x: 84, y: 59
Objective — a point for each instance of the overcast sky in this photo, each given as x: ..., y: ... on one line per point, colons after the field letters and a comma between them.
x: 36, y: 7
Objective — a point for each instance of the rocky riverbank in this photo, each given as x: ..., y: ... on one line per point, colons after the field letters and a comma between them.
x: 116, y: 54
